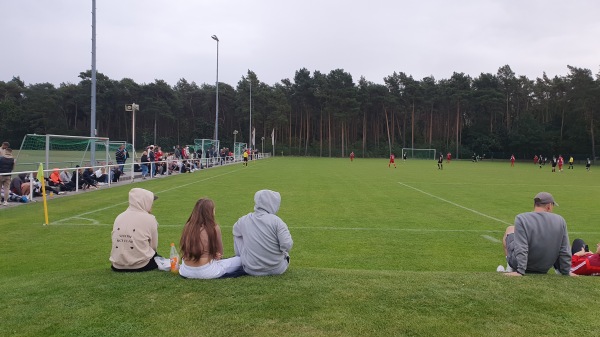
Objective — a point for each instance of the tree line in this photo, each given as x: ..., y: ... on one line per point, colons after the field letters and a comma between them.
x: 329, y: 115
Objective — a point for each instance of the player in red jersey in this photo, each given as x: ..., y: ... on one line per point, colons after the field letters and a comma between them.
x: 535, y: 159
x: 352, y: 156
x: 561, y: 162
x: 392, y: 157
x: 448, y: 157
x: 512, y: 160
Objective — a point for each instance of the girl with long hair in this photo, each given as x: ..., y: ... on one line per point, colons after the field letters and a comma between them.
x: 202, y: 247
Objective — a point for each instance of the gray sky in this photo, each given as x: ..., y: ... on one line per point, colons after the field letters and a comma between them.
x: 50, y: 40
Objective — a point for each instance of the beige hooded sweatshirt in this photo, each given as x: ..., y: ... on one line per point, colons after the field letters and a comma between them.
x: 135, y: 232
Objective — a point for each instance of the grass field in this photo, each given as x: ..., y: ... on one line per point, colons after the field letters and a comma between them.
x: 410, y: 251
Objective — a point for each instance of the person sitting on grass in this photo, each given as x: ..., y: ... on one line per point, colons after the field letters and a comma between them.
x: 585, y: 262
x: 202, y: 247
x: 261, y: 238
x: 537, y: 241
x: 135, y: 236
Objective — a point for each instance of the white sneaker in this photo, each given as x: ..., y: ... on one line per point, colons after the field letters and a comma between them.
x: 164, y: 264
x: 509, y: 269
x: 500, y: 269
x: 5, y: 203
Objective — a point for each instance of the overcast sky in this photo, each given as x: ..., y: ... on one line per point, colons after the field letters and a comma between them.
x: 50, y: 40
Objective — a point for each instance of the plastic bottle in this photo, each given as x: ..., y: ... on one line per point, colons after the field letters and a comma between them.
x: 174, y: 257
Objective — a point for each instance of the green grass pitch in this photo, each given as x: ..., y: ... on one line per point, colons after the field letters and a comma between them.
x: 378, y: 251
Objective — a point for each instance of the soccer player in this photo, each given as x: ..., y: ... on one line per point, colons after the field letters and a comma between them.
x: 352, y: 156
x: 441, y: 162
x: 561, y: 162
x: 404, y: 156
x: 571, y: 162
x: 448, y: 157
x: 535, y: 159
x: 554, y: 162
x: 512, y: 160
x: 392, y: 157
x: 588, y: 163
x: 245, y: 163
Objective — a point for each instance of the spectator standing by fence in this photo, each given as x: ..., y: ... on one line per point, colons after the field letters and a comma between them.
x: 7, y: 165
x: 121, y: 156
x: 3, y: 148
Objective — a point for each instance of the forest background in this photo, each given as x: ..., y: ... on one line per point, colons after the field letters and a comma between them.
x: 328, y: 115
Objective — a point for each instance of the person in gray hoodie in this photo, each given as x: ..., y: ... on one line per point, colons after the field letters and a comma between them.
x: 135, y: 236
x: 261, y: 238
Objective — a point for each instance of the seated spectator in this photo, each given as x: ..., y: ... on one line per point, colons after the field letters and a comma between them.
x: 135, y: 236
x: 57, y: 182
x: 115, y: 174
x: 585, y: 262
x: 65, y: 176
x: 19, y: 186
x: 100, y: 176
x: 88, y: 178
x: 202, y: 247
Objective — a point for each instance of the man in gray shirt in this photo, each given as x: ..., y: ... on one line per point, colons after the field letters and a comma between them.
x: 538, y: 240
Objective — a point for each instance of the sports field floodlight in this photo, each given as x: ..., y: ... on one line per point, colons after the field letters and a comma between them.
x: 235, y: 132
x: 263, y: 144
x: 214, y: 37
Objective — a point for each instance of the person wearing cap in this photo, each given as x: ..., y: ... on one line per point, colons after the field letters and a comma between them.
x: 537, y: 241
x: 135, y: 236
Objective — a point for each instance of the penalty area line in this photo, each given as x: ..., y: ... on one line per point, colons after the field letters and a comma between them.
x: 455, y: 204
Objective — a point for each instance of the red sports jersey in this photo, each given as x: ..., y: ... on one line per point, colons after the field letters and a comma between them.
x: 392, y: 158
x: 586, y: 265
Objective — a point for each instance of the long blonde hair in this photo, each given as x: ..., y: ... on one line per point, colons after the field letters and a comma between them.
x: 201, y: 219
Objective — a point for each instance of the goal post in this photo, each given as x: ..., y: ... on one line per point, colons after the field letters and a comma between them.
x: 412, y: 153
x: 59, y: 151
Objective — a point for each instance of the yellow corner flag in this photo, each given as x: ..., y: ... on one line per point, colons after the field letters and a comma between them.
x: 40, y: 176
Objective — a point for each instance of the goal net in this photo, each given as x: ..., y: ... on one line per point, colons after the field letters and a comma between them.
x: 61, y: 151
x: 412, y: 153
x: 238, y: 150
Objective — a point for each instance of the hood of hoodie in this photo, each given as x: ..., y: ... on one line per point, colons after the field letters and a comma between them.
x: 141, y: 200
x: 267, y: 201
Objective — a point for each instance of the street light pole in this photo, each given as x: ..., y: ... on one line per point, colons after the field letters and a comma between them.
x: 235, y: 132
x: 214, y: 37
x: 263, y: 145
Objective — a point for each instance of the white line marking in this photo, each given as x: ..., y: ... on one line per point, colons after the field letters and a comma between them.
x: 455, y: 204
x: 491, y: 238
x: 416, y: 230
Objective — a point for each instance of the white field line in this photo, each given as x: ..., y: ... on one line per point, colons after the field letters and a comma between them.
x: 487, y: 237
x: 455, y: 204
x: 415, y: 230
x: 496, y: 184
x: 127, y: 202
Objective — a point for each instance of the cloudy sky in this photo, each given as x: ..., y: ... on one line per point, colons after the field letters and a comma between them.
x: 50, y: 40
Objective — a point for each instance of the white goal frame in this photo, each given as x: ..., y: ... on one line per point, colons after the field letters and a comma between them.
x: 411, y: 151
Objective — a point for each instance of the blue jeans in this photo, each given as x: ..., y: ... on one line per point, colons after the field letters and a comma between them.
x: 144, y: 169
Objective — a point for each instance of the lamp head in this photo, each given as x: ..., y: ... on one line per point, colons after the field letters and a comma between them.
x: 214, y: 37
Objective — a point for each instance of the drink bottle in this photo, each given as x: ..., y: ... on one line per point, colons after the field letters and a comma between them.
x: 174, y: 257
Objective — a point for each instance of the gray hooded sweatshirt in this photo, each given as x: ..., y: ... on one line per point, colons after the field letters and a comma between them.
x: 261, y: 238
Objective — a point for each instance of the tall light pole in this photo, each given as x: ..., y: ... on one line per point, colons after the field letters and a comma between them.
x: 214, y: 37
x: 250, y: 140
x: 235, y: 132
x: 93, y: 101
x: 263, y: 145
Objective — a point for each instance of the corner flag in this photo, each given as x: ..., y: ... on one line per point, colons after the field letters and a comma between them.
x: 40, y: 177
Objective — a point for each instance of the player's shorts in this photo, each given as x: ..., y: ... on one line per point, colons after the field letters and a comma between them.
x: 245, y: 158
x: 391, y: 161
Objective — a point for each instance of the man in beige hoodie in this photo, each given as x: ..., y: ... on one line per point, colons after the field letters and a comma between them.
x: 135, y: 236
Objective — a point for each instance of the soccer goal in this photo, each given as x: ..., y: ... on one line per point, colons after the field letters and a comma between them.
x: 210, y: 150
x: 60, y: 151
x: 238, y: 150
x: 412, y: 153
